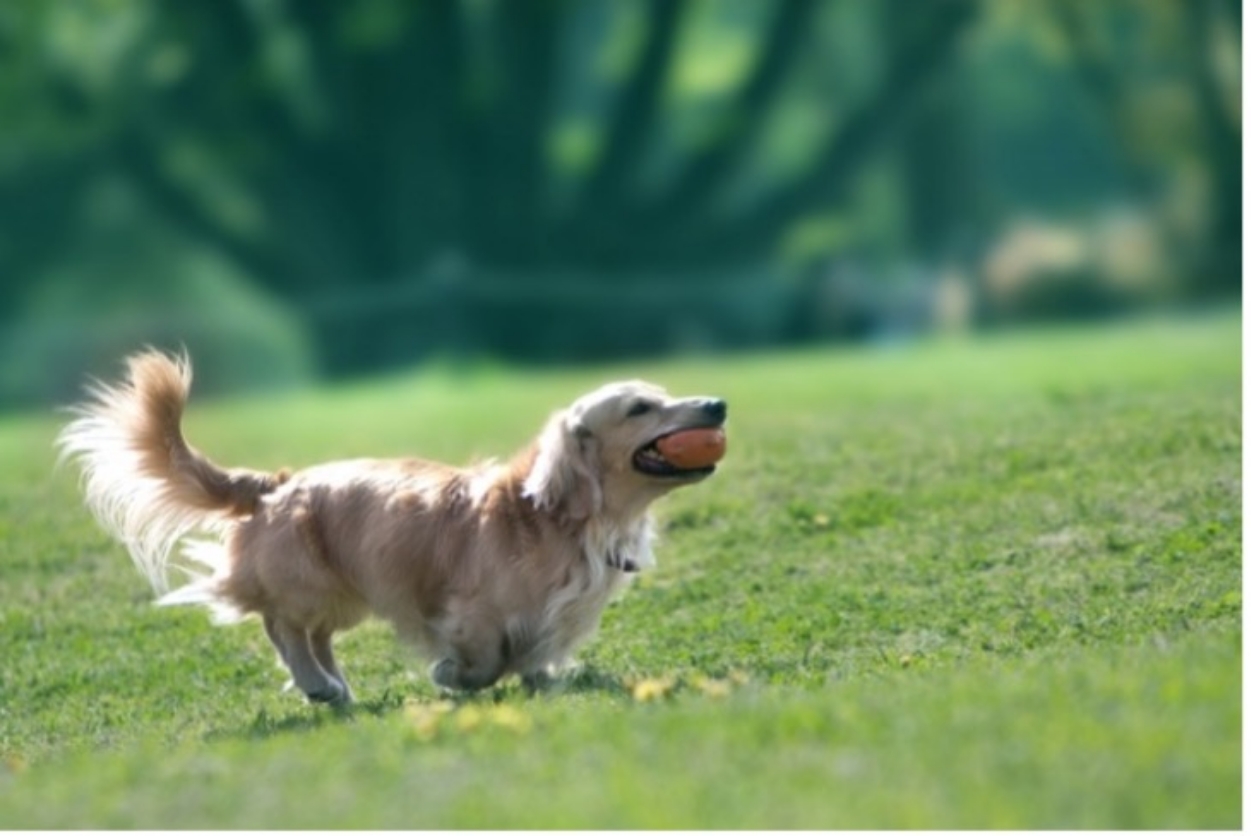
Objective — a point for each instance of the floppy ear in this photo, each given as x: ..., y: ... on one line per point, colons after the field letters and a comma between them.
x: 565, y: 474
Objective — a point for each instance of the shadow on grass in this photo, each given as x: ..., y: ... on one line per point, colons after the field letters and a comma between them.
x: 301, y: 719
x: 305, y: 718
x: 584, y: 680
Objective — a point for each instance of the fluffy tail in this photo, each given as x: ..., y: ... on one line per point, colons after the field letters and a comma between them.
x: 142, y: 480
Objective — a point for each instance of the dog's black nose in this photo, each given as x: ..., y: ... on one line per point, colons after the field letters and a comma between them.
x: 714, y: 408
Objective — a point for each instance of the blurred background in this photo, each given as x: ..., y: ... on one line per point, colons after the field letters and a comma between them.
x: 314, y: 189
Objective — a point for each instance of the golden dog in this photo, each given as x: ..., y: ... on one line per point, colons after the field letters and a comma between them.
x: 490, y: 570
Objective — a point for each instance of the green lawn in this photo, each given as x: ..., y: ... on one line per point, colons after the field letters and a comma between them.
x: 987, y: 583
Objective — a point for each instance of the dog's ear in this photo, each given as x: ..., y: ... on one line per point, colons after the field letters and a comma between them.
x: 565, y: 473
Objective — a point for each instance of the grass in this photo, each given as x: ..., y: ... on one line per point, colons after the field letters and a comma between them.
x: 989, y: 583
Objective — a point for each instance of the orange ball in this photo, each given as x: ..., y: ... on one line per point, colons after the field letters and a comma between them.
x: 693, y: 448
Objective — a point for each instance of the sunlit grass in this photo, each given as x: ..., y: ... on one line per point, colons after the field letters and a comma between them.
x: 989, y: 583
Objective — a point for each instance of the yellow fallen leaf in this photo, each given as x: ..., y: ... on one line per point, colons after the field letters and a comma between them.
x: 646, y: 690
x: 715, y: 688
x: 424, y: 719
x: 468, y: 718
x: 509, y: 717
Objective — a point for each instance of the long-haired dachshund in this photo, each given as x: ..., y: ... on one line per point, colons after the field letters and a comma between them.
x: 490, y: 570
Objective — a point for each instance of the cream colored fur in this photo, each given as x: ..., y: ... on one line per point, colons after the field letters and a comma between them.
x: 494, y: 569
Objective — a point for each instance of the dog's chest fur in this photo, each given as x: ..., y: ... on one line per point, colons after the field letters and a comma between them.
x: 572, y: 612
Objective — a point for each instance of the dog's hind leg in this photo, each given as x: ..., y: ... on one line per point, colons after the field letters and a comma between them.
x: 295, y: 646
x: 324, y: 653
x: 271, y: 630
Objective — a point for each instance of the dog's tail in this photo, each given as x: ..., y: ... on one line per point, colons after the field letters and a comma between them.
x: 142, y: 480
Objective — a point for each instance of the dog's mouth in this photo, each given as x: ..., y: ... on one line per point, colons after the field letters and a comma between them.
x: 649, y: 461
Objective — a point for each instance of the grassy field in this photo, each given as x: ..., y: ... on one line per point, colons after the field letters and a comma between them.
x: 993, y: 583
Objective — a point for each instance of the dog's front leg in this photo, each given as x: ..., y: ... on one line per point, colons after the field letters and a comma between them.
x: 473, y: 664
x: 539, y: 680
x: 462, y: 675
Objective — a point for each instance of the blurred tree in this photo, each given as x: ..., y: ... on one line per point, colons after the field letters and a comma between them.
x: 325, y: 144
x: 1135, y: 58
x: 403, y: 175
x: 943, y: 189
x: 48, y: 150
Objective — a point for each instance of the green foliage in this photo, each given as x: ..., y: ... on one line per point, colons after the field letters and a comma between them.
x: 339, y: 154
x: 980, y: 584
x: 164, y: 291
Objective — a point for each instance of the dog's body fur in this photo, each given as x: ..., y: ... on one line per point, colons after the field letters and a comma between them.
x: 496, y: 569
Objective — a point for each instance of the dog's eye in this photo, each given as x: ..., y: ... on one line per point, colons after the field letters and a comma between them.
x: 639, y: 408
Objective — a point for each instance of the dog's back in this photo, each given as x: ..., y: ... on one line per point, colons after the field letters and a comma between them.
x: 447, y: 555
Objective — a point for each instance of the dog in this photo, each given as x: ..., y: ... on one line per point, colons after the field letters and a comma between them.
x: 495, y: 569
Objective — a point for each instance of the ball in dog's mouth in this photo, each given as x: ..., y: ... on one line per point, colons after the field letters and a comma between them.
x: 684, y: 453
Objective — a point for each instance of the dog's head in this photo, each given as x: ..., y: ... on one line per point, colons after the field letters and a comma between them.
x: 600, y: 454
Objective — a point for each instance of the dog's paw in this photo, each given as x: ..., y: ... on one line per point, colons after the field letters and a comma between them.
x: 539, y: 681
x: 329, y: 697
x: 454, y: 675
x: 446, y: 674
x: 332, y: 694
